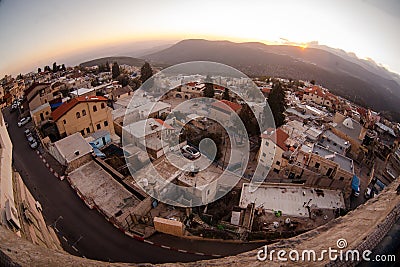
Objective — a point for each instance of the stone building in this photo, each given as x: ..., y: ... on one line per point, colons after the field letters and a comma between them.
x: 85, y: 115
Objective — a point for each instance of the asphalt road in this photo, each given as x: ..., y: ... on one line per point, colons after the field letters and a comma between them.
x: 86, y: 229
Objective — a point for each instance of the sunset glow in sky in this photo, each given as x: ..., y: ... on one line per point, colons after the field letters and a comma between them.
x: 37, y: 33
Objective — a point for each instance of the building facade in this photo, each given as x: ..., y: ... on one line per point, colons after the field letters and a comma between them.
x: 85, y: 115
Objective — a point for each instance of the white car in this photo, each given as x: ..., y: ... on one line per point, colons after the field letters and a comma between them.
x: 191, y: 150
x: 24, y: 121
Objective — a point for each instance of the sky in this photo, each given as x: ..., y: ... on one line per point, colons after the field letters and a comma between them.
x: 37, y: 33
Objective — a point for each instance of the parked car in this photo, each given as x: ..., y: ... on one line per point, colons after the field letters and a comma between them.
x: 13, y: 108
x: 30, y: 138
x: 33, y: 143
x: 191, y: 150
x: 24, y: 121
x: 369, y: 193
x: 188, y: 155
x: 356, y: 193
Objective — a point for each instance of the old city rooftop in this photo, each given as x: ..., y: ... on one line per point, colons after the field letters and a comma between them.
x: 64, y: 108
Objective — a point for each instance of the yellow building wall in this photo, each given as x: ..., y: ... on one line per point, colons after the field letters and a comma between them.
x: 89, y: 121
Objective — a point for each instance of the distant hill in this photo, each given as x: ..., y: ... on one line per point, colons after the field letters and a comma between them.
x: 342, y: 76
x: 137, y: 62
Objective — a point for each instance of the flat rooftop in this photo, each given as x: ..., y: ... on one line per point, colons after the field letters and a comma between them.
x: 97, y: 184
x: 82, y: 91
x: 334, y: 142
x: 292, y: 200
x: 345, y: 163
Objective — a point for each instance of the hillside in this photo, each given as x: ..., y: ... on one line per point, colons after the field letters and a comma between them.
x: 120, y: 60
x: 342, y: 76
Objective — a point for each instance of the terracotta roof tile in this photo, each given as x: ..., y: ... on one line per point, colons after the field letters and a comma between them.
x: 279, y: 137
x: 64, y: 108
x: 166, y: 125
x: 229, y: 106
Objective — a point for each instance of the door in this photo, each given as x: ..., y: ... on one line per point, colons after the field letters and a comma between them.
x: 104, y: 141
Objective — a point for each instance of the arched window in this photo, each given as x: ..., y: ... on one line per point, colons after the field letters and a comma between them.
x: 103, y: 105
x: 94, y: 108
x: 78, y: 115
x: 83, y: 112
x: 64, y: 121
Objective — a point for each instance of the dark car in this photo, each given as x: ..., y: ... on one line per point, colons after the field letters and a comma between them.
x: 188, y: 155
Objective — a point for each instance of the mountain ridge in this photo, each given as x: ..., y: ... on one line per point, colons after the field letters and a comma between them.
x: 341, y: 76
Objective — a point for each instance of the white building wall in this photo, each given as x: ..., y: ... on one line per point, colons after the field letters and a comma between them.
x: 6, y: 171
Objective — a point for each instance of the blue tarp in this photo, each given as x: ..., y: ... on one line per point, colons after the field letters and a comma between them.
x: 355, y: 183
x: 97, y: 151
x: 55, y: 105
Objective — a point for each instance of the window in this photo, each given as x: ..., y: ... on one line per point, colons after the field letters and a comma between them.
x: 105, y: 123
x: 64, y: 121
x: 317, y: 165
x: 47, y: 113
x: 94, y: 108
x: 78, y: 115
x: 83, y: 112
x: 82, y: 132
x: 88, y: 130
x: 98, y: 126
x: 341, y: 178
x: 278, y: 163
x: 264, y: 155
x: 103, y: 105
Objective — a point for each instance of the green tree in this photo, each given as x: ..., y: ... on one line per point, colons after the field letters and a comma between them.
x: 249, y: 120
x: 225, y: 95
x: 115, y: 70
x: 63, y: 68
x: 145, y: 72
x: 276, y: 101
x: 39, y: 70
x: 209, y: 90
x: 123, y: 80
x: 312, y: 82
x: 47, y: 68
x: 55, y: 67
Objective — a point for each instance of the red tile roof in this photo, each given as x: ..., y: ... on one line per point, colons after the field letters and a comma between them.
x: 166, y: 125
x: 266, y: 90
x: 321, y: 93
x: 279, y: 137
x: 227, y: 105
x: 64, y: 108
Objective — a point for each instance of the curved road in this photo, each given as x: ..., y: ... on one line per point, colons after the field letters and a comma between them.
x: 85, y: 229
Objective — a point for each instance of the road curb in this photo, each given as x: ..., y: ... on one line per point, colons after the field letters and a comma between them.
x: 60, y: 177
